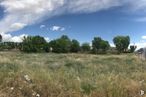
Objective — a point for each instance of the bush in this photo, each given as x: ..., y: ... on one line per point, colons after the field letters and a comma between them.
x: 132, y: 48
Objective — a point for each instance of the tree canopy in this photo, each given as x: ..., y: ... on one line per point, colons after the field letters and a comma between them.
x: 99, y: 45
x: 121, y: 43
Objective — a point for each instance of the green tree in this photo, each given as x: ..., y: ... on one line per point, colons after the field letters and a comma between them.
x: 121, y: 43
x: 99, y: 45
x: 33, y: 44
x: 132, y: 48
x: 104, y: 46
x: 61, y: 45
x: 85, y: 47
x: 0, y: 38
x: 75, y: 46
x: 96, y: 44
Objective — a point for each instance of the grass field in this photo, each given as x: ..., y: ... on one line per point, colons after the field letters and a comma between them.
x: 71, y: 75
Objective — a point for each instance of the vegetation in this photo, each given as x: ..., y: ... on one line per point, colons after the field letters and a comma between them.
x: 132, y: 48
x: 121, y: 43
x: 33, y: 44
x: 75, y: 46
x: 64, y: 44
x: 71, y: 75
x: 61, y: 45
x: 85, y: 47
x: 99, y: 45
x: 34, y: 74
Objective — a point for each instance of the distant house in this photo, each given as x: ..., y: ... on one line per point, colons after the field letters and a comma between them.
x: 141, y: 53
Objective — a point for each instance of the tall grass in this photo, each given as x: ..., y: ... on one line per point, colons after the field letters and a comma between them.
x: 71, y: 75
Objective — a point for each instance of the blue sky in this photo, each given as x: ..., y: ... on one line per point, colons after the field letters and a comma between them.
x: 79, y: 19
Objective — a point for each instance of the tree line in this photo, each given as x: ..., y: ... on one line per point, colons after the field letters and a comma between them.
x: 34, y: 44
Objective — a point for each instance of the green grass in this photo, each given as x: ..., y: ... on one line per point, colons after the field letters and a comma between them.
x: 71, y: 75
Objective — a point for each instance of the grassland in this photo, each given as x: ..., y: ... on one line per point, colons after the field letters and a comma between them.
x: 71, y: 75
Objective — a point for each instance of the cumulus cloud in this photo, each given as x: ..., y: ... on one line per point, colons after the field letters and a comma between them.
x: 22, y: 13
x: 57, y: 28
x: 10, y: 38
x: 143, y: 37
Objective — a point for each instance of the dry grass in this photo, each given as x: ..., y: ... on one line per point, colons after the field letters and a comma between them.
x: 71, y: 75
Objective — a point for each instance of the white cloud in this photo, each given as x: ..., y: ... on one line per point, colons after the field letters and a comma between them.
x: 21, y: 13
x: 143, y: 37
x: 19, y: 38
x: 47, y: 39
x: 42, y: 26
x: 112, y: 45
x: 10, y: 38
x: 57, y: 28
x: 137, y: 4
x: 17, y: 26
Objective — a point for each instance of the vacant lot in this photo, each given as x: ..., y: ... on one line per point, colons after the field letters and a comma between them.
x: 71, y: 75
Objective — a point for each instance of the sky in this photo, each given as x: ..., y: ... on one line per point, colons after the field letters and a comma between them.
x: 79, y: 19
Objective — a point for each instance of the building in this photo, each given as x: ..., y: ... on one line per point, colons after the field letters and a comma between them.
x: 142, y: 53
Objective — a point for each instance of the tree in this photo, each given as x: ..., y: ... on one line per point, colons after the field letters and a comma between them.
x: 61, y: 45
x: 104, y: 46
x: 96, y: 44
x: 33, y: 44
x: 99, y: 45
x: 132, y: 48
x: 121, y: 43
x: 85, y: 47
x: 75, y: 46
x: 0, y: 38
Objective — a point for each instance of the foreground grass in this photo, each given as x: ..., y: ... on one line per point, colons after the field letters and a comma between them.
x: 71, y: 75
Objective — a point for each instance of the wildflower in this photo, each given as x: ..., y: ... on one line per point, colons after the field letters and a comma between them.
x: 12, y: 88
x: 37, y: 95
x: 27, y: 78
x: 141, y: 92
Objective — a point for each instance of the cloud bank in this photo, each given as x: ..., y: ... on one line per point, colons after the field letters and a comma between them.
x: 21, y: 13
x: 9, y: 37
